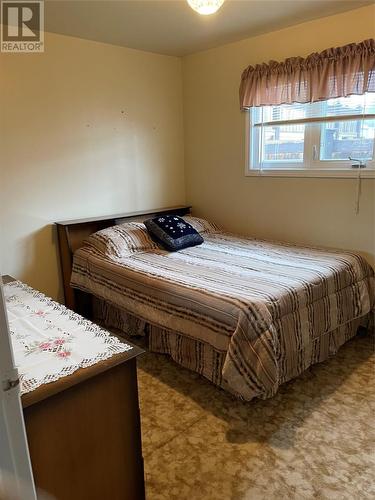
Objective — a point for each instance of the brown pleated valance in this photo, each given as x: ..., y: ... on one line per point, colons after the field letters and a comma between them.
x: 335, y: 72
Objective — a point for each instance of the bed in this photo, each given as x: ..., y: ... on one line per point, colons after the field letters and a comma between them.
x: 245, y: 313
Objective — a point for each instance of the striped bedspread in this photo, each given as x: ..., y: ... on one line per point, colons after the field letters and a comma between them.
x: 267, y: 308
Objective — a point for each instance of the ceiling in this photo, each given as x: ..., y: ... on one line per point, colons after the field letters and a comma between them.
x: 172, y: 27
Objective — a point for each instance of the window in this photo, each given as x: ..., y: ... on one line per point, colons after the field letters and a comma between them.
x: 314, y: 138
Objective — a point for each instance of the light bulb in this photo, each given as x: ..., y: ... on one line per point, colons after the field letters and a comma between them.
x: 205, y: 7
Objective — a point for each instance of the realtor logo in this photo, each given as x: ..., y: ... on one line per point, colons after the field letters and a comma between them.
x: 22, y: 26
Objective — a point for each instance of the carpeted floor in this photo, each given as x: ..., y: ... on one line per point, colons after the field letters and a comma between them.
x: 314, y: 439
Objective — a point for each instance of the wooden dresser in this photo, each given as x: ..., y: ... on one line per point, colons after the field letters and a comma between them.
x: 84, y: 432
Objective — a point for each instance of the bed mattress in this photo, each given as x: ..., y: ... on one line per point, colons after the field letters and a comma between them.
x: 268, y: 310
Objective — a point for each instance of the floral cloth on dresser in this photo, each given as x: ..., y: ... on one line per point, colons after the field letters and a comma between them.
x: 50, y: 341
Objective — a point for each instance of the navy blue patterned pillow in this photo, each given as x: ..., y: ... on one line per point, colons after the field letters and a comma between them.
x: 173, y: 232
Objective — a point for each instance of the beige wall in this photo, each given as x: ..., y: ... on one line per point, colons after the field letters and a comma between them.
x: 317, y: 211
x: 86, y: 129
x: 91, y: 129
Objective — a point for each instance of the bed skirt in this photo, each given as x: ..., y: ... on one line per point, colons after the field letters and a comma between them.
x: 204, y: 359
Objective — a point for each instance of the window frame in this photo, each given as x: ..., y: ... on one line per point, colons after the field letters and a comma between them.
x: 308, y: 167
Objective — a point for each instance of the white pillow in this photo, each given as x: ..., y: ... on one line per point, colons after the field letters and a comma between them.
x: 122, y: 240
x: 202, y: 226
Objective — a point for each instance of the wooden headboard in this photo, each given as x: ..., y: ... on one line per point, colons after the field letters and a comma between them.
x: 71, y: 234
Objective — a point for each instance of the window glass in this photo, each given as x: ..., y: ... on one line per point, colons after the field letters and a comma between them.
x: 283, y: 143
x: 331, y: 132
x: 342, y: 139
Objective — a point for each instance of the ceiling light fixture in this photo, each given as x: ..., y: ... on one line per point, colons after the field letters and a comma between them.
x: 205, y: 7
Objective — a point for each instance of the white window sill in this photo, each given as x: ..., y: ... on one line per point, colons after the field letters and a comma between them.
x: 311, y: 172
